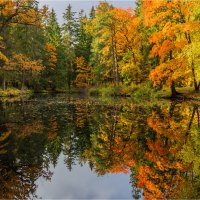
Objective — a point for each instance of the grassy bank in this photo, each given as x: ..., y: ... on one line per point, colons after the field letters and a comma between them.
x: 111, y: 90
x: 145, y: 91
x: 14, y: 92
x: 134, y: 91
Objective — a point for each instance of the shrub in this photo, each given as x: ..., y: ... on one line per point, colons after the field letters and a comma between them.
x: 10, y: 92
x: 144, y: 91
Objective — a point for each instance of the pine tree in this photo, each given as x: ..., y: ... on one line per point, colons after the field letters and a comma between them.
x: 53, y: 30
x: 69, y: 25
x: 83, y: 39
x: 92, y: 13
x: 53, y: 76
x: 68, y: 36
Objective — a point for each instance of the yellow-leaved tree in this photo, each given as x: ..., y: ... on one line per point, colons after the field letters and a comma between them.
x: 84, y: 75
x: 128, y: 44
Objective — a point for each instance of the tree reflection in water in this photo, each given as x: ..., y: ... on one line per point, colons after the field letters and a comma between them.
x: 158, y: 143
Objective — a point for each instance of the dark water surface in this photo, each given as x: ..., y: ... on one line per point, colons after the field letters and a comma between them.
x: 84, y: 148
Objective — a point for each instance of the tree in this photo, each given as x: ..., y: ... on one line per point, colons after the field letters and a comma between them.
x: 24, y: 66
x: 118, y: 39
x: 69, y: 25
x: 128, y: 45
x: 18, y: 12
x: 52, y: 29
x: 22, y: 32
x: 51, y: 56
x: 169, y: 18
x: 104, y: 52
x: 190, y: 29
x: 83, y: 38
x: 83, y: 71
x: 92, y: 13
x: 55, y: 54
x: 68, y: 36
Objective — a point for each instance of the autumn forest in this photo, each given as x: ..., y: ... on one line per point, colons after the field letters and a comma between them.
x: 151, y: 47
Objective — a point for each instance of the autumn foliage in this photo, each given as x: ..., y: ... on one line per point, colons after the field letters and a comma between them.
x: 175, y: 29
x: 51, y: 55
x: 155, y: 42
x: 84, y: 74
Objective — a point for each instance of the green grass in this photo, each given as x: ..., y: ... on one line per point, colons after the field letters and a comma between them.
x: 185, y: 93
x: 145, y: 91
x: 111, y: 90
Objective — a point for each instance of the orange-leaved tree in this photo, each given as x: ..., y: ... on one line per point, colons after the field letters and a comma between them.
x: 51, y: 55
x: 24, y: 65
x: 84, y: 75
x: 18, y: 12
x: 128, y: 44
x: 168, y: 39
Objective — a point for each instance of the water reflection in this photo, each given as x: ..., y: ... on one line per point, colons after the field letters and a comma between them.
x: 156, y: 144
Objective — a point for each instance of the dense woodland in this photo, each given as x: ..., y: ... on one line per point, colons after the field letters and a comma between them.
x: 154, y: 44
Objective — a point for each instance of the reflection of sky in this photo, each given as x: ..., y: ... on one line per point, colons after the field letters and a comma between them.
x: 81, y: 183
x: 77, y: 5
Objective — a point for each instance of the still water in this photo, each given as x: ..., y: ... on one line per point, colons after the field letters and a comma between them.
x: 61, y: 147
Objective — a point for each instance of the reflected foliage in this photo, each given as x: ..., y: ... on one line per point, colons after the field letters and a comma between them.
x: 156, y: 143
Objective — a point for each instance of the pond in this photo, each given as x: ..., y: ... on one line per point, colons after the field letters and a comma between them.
x: 67, y: 147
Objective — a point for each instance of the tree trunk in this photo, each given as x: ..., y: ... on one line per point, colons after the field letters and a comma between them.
x: 173, y: 90
x: 172, y: 108
x: 196, y: 85
x: 69, y: 76
x: 115, y: 64
x: 23, y: 80
x: 114, y: 125
x: 4, y: 81
x: 198, y: 117
x: 113, y: 60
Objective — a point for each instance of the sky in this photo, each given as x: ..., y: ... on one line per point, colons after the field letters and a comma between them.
x: 60, y: 5
x: 82, y: 183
